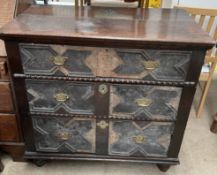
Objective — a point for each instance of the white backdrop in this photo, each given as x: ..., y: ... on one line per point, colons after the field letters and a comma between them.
x: 197, y: 3
x: 166, y: 3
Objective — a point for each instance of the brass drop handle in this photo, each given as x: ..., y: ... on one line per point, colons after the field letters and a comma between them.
x: 151, y: 65
x: 138, y: 139
x: 143, y: 102
x: 59, y: 60
x: 61, y: 97
x: 64, y: 135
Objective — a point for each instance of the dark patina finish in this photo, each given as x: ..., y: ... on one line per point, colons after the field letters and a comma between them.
x: 114, y: 87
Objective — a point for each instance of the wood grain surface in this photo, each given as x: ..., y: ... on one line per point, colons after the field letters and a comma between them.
x: 6, y: 104
x: 8, y: 128
x: 140, y: 26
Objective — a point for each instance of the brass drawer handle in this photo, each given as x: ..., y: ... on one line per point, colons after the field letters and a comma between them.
x: 143, y: 102
x: 102, y: 124
x: 61, y: 97
x: 138, y: 139
x: 64, y: 135
x: 59, y: 60
x: 151, y: 65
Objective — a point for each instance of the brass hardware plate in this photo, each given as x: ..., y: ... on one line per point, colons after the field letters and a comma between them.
x: 58, y: 60
x: 143, y: 102
x: 151, y: 65
x: 102, y: 124
x: 64, y: 135
x: 103, y: 89
x: 61, y: 97
x: 138, y: 139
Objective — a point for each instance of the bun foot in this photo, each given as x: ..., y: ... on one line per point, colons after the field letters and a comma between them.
x: 163, y: 167
x: 1, y: 166
x: 214, y: 125
x: 39, y: 162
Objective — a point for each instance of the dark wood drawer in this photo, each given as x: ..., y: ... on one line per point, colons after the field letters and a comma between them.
x: 146, y: 64
x: 64, y: 135
x: 125, y: 138
x: 8, y: 128
x: 61, y: 97
x: 140, y: 102
x: 141, y: 138
x: 55, y: 60
x: 6, y: 104
x: 144, y: 102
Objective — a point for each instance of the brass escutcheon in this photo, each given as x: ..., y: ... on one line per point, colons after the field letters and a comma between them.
x: 64, y: 135
x: 151, y: 65
x: 59, y: 60
x: 143, y: 102
x: 138, y: 139
x: 61, y: 97
x: 103, y: 89
x: 102, y: 124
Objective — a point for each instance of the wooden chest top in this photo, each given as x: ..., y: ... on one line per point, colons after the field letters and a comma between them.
x: 132, y: 27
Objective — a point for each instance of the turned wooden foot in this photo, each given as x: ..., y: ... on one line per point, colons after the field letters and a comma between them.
x: 163, y: 167
x: 39, y: 162
x: 214, y: 125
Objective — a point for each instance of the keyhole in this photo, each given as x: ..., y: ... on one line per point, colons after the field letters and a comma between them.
x: 103, y: 89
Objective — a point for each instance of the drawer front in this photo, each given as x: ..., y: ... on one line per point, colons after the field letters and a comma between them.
x: 141, y: 138
x: 60, y: 97
x: 6, y: 104
x: 146, y: 64
x: 144, y: 102
x: 55, y: 60
x: 8, y: 128
x: 64, y: 135
x: 155, y: 65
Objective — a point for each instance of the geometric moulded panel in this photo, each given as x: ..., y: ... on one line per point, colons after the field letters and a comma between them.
x: 139, y: 138
x: 54, y: 60
x: 64, y: 135
x: 144, y: 102
x: 60, y: 97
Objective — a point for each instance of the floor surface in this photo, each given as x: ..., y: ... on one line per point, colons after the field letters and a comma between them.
x: 198, y: 155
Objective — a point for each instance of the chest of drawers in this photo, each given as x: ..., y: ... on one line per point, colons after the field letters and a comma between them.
x: 115, y: 87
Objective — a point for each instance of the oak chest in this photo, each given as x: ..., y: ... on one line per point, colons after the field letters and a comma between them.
x: 103, y: 83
